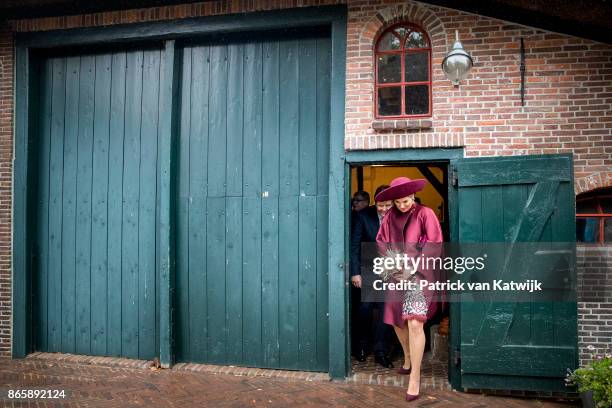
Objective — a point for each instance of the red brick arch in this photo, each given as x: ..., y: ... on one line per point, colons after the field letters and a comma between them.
x: 592, y: 182
x: 406, y: 12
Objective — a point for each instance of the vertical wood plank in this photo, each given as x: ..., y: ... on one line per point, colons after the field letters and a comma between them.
x: 289, y: 125
x: 288, y: 204
x: 234, y: 120
x: 323, y: 57
x: 251, y: 285
x: 215, y: 283
x: 69, y: 194
x: 217, y: 121
x: 252, y: 204
x: 233, y: 216
x: 115, y: 203
x: 287, y: 281
x: 198, y: 192
x: 269, y: 220
x: 56, y: 204
x: 99, y: 228
x: 83, y: 205
x: 183, y: 335
x: 564, y: 328
x: 131, y: 166
x: 42, y: 219
x: 322, y: 319
x: 323, y: 111
x: 471, y: 232
x: 215, y: 224
x: 146, y: 205
x: 307, y: 79
x: 167, y: 142
x: 307, y: 282
x: 234, y: 276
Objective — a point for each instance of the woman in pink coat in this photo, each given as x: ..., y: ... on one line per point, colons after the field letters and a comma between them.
x: 408, y: 227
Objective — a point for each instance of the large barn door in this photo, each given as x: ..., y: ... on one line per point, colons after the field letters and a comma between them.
x: 94, y: 270
x: 525, y: 345
x: 251, y: 280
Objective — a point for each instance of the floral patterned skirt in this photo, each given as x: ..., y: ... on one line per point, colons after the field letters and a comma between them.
x: 414, y: 306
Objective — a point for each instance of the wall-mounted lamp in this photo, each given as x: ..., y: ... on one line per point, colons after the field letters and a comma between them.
x: 457, y: 62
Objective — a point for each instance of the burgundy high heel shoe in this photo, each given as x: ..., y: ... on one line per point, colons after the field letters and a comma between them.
x: 410, y: 397
x: 404, y: 371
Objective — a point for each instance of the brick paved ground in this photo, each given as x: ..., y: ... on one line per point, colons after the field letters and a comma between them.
x: 115, y: 383
x: 434, y: 373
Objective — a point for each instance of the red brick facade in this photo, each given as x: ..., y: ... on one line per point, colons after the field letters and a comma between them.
x: 567, y: 99
x: 568, y: 90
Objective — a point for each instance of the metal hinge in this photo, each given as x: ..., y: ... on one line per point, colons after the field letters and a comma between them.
x: 457, y: 357
x: 453, y: 175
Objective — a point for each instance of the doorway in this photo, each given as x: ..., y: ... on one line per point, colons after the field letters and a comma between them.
x: 367, y: 332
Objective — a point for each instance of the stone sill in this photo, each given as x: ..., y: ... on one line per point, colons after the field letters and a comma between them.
x: 402, y: 124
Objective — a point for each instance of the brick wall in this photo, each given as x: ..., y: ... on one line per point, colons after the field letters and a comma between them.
x: 568, y: 94
x: 594, y: 273
x: 6, y: 171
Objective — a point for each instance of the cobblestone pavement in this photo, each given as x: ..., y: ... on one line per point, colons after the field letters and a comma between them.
x: 108, y: 382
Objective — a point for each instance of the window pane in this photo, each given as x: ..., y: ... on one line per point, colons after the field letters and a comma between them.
x: 389, y: 42
x: 401, y: 31
x: 416, y: 39
x: 587, y: 229
x: 608, y: 230
x: 417, y: 100
x: 586, y: 207
x: 417, y: 67
x: 390, y: 101
x: 389, y: 68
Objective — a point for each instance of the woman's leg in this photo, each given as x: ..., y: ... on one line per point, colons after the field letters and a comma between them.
x: 402, y: 335
x: 417, y: 346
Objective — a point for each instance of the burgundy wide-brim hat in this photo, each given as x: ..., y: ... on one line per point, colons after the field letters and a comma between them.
x: 400, y: 187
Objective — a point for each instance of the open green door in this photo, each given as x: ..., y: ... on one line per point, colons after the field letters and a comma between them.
x: 512, y: 345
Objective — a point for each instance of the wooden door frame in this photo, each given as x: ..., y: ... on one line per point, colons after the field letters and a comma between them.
x: 399, y: 157
x: 167, y: 33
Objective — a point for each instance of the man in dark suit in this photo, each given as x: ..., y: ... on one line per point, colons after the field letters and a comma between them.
x: 364, y: 229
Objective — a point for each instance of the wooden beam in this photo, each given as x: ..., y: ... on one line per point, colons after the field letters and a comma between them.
x: 433, y: 180
x: 188, y: 28
x: 339, y: 355
x: 21, y: 255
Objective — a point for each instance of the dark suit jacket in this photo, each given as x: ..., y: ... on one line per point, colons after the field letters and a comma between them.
x: 365, y: 226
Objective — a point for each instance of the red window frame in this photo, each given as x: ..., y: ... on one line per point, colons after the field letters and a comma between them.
x: 403, y: 83
x: 600, y: 215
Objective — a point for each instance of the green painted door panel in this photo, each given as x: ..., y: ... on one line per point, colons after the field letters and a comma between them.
x: 253, y: 168
x: 94, y: 269
x: 516, y: 345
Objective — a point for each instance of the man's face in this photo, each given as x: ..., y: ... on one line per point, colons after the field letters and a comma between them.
x: 383, y: 206
x: 405, y: 203
x: 359, y: 203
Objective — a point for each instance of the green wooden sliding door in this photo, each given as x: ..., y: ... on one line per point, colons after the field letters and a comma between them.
x: 253, y: 169
x: 94, y: 271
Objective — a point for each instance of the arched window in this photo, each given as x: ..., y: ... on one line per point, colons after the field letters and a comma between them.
x: 594, y: 216
x: 403, y: 72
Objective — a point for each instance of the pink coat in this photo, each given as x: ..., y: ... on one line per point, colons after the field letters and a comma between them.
x: 419, y: 226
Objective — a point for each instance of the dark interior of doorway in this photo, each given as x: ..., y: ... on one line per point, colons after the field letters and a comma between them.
x: 435, y: 195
